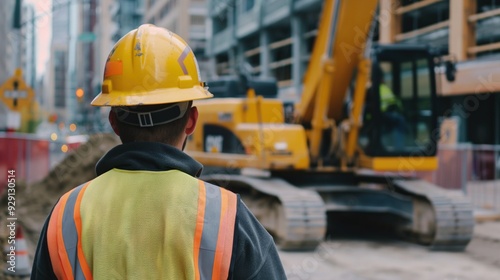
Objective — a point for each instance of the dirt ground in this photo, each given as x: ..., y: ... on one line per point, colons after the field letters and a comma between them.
x: 387, y: 260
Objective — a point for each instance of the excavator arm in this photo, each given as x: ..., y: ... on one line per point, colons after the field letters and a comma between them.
x: 338, y: 51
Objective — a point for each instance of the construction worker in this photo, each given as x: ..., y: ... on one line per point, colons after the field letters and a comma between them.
x: 394, y: 123
x: 147, y: 215
x: 388, y: 101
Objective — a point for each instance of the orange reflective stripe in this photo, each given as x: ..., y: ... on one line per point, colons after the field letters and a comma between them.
x: 227, y: 227
x: 219, y: 249
x: 63, y: 255
x: 64, y: 237
x: 214, y: 232
x: 113, y: 68
x: 225, y: 238
x: 78, y: 222
x: 52, y: 243
x: 62, y: 258
x: 199, y: 227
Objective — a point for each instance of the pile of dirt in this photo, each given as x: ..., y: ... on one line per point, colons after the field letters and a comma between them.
x: 35, y: 201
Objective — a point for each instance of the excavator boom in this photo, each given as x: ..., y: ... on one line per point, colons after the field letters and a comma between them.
x: 338, y: 51
x: 339, y: 46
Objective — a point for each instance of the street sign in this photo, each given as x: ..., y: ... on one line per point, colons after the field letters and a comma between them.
x: 16, y: 94
x: 87, y: 37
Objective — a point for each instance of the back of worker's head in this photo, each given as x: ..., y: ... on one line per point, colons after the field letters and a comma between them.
x: 170, y: 120
x: 150, y: 79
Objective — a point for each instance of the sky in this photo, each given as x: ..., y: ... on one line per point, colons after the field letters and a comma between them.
x: 44, y: 28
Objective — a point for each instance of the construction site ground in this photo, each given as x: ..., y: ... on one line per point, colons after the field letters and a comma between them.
x: 365, y: 257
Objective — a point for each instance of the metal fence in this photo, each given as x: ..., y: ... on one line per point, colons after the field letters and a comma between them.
x: 32, y: 157
x: 475, y: 169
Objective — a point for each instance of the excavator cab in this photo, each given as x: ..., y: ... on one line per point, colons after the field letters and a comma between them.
x: 400, y: 112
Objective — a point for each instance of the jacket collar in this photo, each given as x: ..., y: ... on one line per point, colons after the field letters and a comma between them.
x: 149, y: 156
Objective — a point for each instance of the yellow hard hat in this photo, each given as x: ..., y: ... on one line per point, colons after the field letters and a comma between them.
x: 150, y: 65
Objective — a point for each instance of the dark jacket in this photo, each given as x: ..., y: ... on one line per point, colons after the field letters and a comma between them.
x: 254, y: 253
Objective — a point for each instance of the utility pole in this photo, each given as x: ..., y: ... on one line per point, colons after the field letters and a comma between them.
x: 16, y: 26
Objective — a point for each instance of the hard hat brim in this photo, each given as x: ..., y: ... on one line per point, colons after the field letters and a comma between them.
x: 117, y: 98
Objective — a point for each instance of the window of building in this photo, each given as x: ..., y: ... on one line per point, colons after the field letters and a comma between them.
x: 197, y: 20
x: 251, y: 53
x: 487, y: 31
x: 60, y: 79
x: 174, y: 27
x: 222, y: 64
x: 152, y: 3
x: 487, y: 5
x: 164, y: 11
x: 281, y: 65
x: 220, y: 22
x: 281, y: 55
x: 167, y: 8
x: 247, y: 5
x: 426, y: 16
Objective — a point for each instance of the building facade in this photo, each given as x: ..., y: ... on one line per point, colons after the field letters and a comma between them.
x: 7, y: 45
x: 55, y: 94
x: 275, y: 39
x: 82, y: 65
x: 126, y: 14
x: 20, y: 43
x: 6, y: 63
x: 187, y: 18
x: 29, y: 44
x: 71, y: 63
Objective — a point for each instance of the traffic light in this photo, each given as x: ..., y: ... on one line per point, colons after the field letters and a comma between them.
x: 79, y: 94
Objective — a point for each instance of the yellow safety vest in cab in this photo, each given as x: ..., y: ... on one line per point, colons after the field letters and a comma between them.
x: 128, y: 224
x: 388, y: 101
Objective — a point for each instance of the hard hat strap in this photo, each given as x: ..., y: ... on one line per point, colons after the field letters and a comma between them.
x: 152, y: 118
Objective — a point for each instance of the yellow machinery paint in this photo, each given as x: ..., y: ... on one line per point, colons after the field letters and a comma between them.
x: 399, y: 164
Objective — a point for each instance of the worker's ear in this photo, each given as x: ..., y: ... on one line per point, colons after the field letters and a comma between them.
x: 113, y: 120
x: 191, y: 123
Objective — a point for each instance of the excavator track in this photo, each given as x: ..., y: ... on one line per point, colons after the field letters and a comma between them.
x: 442, y: 219
x: 295, y: 217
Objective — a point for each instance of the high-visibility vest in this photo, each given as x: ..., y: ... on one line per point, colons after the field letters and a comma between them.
x: 85, y: 239
x: 387, y: 98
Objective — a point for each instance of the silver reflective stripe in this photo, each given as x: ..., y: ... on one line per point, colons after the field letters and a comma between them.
x: 70, y: 235
x: 210, y: 232
x: 181, y: 59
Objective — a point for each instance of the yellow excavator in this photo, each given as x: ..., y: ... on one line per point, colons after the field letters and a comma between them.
x: 365, y: 124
